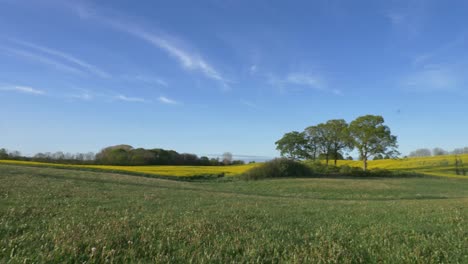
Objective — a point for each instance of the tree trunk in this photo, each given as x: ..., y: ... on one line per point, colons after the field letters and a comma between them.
x: 365, y: 163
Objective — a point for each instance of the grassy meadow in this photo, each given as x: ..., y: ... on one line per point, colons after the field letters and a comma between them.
x: 56, y: 215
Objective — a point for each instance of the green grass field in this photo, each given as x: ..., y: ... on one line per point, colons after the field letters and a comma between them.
x: 56, y: 215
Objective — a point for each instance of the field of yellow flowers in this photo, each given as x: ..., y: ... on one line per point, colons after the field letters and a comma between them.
x: 160, y: 170
x: 436, y: 166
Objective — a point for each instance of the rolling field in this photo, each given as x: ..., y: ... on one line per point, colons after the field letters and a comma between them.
x: 57, y: 215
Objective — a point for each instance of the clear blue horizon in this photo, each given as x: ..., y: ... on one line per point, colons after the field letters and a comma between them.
x: 212, y: 76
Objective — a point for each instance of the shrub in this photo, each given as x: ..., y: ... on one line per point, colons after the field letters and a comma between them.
x: 345, y: 169
x: 278, y: 168
x: 322, y: 168
x: 318, y: 167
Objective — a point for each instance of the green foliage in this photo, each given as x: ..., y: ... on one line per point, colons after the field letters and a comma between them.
x: 292, y: 145
x: 334, y: 138
x: 333, y: 156
x: 3, y: 154
x: 346, y: 170
x: 378, y: 157
x: 371, y: 137
x: 331, y: 139
x: 314, y: 144
x: 278, y: 168
x: 127, y: 155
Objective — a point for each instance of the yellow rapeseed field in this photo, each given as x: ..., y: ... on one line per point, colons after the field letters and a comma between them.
x: 437, y: 166
x: 184, y: 171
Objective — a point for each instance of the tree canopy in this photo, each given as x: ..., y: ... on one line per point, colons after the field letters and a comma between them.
x: 371, y: 137
x: 293, y: 145
x: 330, y: 140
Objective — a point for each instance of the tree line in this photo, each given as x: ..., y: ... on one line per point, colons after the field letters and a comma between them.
x: 330, y: 140
x: 124, y: 155
x: 127, y: 155
x: 425, y: 152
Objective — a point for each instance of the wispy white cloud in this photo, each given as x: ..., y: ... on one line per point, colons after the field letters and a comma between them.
x: 67, y: 57
x: 253, y: 69
x: 149, y: 80
x: 408, y: 17
x: 440, y: 53
x: 41, y: 59
x: 301, y: 80
x: 337, y: 92
x: 432, y: 78
x: 85, y: 96
x: 22, y: 89
x: 304, y: 79
x: 166, y: 100
x: 438, y: 69
x: 298, y: 81
x: 189, y: 60
x: 395, y: 17
x: 130, y: 99
x: 249, y: 104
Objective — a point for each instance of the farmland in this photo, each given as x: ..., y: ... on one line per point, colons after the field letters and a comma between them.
x: 56, y: 215
x: 176, y: 171
x: 443, y: 166
x: 437, y: 165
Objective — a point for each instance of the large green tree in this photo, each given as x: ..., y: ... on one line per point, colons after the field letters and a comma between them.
x: 332, y: 138
x: 371, y: 137
x: 293, y: 145
x: 312, y: 147
x: 324, y: 138
x: 339, y: 138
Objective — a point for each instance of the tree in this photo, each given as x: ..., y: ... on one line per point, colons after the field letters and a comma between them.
x: 115, y: 155
x: 371, y: 137
x: 378, y: 157
x: 293, y: 145
x: 312, y: 146
x: 3, y: 154
x: 339, y: 156
x: 227, y: 158
x: 204, y: 161
x: 339, y: 137
x: 325, y: 142
x: 333, y: 137
x: 14, y: 154
x: 458, y: 151
x: 424, y: 152
x: 439, y: 152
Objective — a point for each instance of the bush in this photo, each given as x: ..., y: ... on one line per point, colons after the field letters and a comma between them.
x: 321, y: 168
x: 345, y: 169
x: 278, y: 168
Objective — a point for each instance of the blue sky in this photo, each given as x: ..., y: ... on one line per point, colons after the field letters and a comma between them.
x: 207, y: 77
